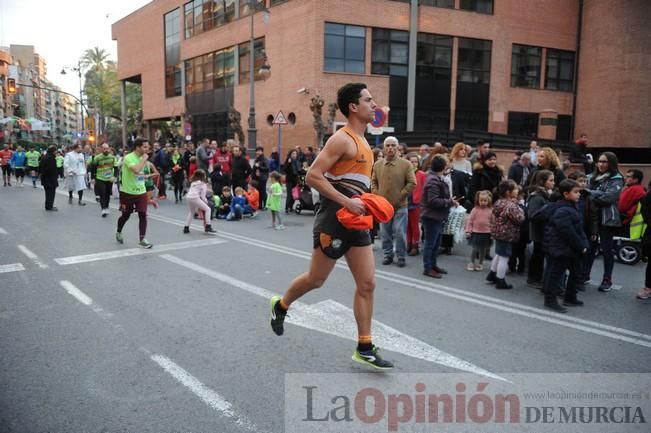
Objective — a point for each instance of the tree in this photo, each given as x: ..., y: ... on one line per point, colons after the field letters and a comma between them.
x: 94, y: 59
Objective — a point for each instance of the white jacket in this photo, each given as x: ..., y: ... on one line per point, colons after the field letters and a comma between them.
x: 74, y: 163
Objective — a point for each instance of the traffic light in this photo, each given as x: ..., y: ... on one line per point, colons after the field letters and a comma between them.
x: 91, y: 136
x: 11, y: 86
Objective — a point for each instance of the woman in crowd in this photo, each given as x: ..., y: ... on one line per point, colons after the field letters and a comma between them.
x: 487, y: 175
x: 548, y: 160
x: 458, y: 158
x: 292, y: 170
x: 605, y: 186
x: 539, y: 193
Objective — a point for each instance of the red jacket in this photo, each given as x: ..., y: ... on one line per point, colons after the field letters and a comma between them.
x: 378, y: 208
x: 628, y: 200
x: 253, y: 197
x: 224, y: 159
x: 417, y: 193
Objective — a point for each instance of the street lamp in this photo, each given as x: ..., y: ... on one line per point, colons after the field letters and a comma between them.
x: 265, y: 71
x: 81, y: 92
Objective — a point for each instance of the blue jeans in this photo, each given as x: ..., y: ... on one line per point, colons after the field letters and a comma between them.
x: 432, y: 242
x: 395, y: 231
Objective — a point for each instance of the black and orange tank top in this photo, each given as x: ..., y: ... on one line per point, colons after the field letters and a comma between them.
x: 353, y: 176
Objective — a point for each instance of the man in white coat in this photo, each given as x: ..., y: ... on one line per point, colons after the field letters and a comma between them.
x: 74, y: 166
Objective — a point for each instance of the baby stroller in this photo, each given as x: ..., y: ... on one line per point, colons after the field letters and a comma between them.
x: 628, y: 242
x: 305, y: 197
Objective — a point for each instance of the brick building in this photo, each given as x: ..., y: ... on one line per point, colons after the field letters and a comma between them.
x: 546, y: 68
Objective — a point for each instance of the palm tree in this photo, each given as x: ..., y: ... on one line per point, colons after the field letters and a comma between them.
x: 94, y: 58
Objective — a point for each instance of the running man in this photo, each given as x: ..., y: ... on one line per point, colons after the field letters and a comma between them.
x: 133, y: 194
x: 341, y: 171
x: 18, y: 161
x: 5, y: 163
x: 105, y: 166
x: 33, y: 160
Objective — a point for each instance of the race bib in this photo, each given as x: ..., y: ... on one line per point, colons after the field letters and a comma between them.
x: 107, y: 173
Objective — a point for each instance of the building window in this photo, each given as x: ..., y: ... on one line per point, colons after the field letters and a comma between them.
x: 525, y: 124
x: 211, y: 71
x: 390, y: 52
x: 344, y: 48
x: 245, y: 6
x: 172, y: 26
x: 559, y: 71
x: 525, y: 66
x: 481, y: 6
x: 474, y: 62
x: 433, y: 82
x: 564, y: 127
x: 277, y: 2
x: 438, y: 3
x: 204, y: 15
x: 244, y: 60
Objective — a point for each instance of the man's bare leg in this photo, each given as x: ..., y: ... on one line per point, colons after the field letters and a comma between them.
x: 320, y: 267
x: 362, y: 265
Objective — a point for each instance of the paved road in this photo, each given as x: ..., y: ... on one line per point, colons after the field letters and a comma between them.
x: 97, y: 336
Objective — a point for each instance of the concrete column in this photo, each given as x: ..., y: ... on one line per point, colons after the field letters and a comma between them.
x: 547, y: 124
x: 123, y: 109
x: 411, y: 74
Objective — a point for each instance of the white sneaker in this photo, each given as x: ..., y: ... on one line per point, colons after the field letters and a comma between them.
x: 105, y: 212
x: 280, y: 227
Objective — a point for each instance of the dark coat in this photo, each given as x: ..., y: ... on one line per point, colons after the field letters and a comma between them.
x: 564, y: 235
x: 292, y: 171
x: 537, y: 199
x: 517, y: 173
x: 604, y: 193
x: 461, y: 186
x: 240, y: 171
x: 48, y: 171
x: 436, y: 202
x: 261, y: 170
x: 485, y: 179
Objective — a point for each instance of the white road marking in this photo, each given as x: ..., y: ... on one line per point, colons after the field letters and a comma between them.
x: 484, y: 300
x: 32, y: 256
x: 13, y: 267
x: 332, y: 318
x: 3, y: 231
x: 136, y: 251
x: 207, y: 395
x: 78, y: 294
x: 589, y: 326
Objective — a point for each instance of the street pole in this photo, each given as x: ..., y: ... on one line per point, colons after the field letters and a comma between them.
x: 81, y: 95
x: 252, y: 136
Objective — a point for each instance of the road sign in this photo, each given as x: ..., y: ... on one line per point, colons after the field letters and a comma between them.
x: 380, y: 118
x: 280, y: 119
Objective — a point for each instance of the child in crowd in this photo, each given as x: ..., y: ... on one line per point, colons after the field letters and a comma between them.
x: 217, y: 178
x: 197, y: 200
x: 584, y: 209
x: 540, y: 191
x: 565, y: 244
x: 216, y: 204
x: 225, y: 203
x: 505, y: 229
x: 274, y: 201
x: 253, y: 196
x: 413, y: 207
x: 478, y: 229
x: 239, y: 206
x: 516, y: 262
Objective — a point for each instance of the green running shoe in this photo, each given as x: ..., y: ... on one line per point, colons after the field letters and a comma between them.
x: 119, y: 237
x: 144, y: 243
x: 277, y: 318
x: 372, y: 358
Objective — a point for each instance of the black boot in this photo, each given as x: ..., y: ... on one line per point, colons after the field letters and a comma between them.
x: 572, y: 301
x: 491, y: 277
x: 552, y: 303
x: 186, y: 229
x: 209, y: 229
x: 500, y: 283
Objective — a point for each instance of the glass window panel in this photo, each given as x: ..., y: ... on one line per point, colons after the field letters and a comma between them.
x: 399, y: 53
x: 443, y: 57
x: 399, y: 36
x: 335, y: 29
x: 354, y: 49
x: 334, y: 46
x: 334, y: 65
x: 380, y: 68
x: 354, y: 66
x: 229, y: 10
x: 360, y: 32
x: 398, y: 70
x: 380, y: 51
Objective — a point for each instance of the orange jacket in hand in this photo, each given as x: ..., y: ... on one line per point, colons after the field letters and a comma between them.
x: 377, y: 209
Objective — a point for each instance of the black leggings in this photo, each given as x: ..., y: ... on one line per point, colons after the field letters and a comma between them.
x: 142, y: 221
x: 178, y: 187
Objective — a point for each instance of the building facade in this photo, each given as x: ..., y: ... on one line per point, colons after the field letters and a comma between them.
x: 526, y: 69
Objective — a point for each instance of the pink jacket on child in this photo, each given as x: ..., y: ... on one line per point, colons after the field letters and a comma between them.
x: 479, y: 220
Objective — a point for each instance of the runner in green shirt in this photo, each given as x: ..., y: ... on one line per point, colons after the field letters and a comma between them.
x: 33, y: 158
x: 59, y: 161
x: 105, y: 166
x: 133, y: 194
